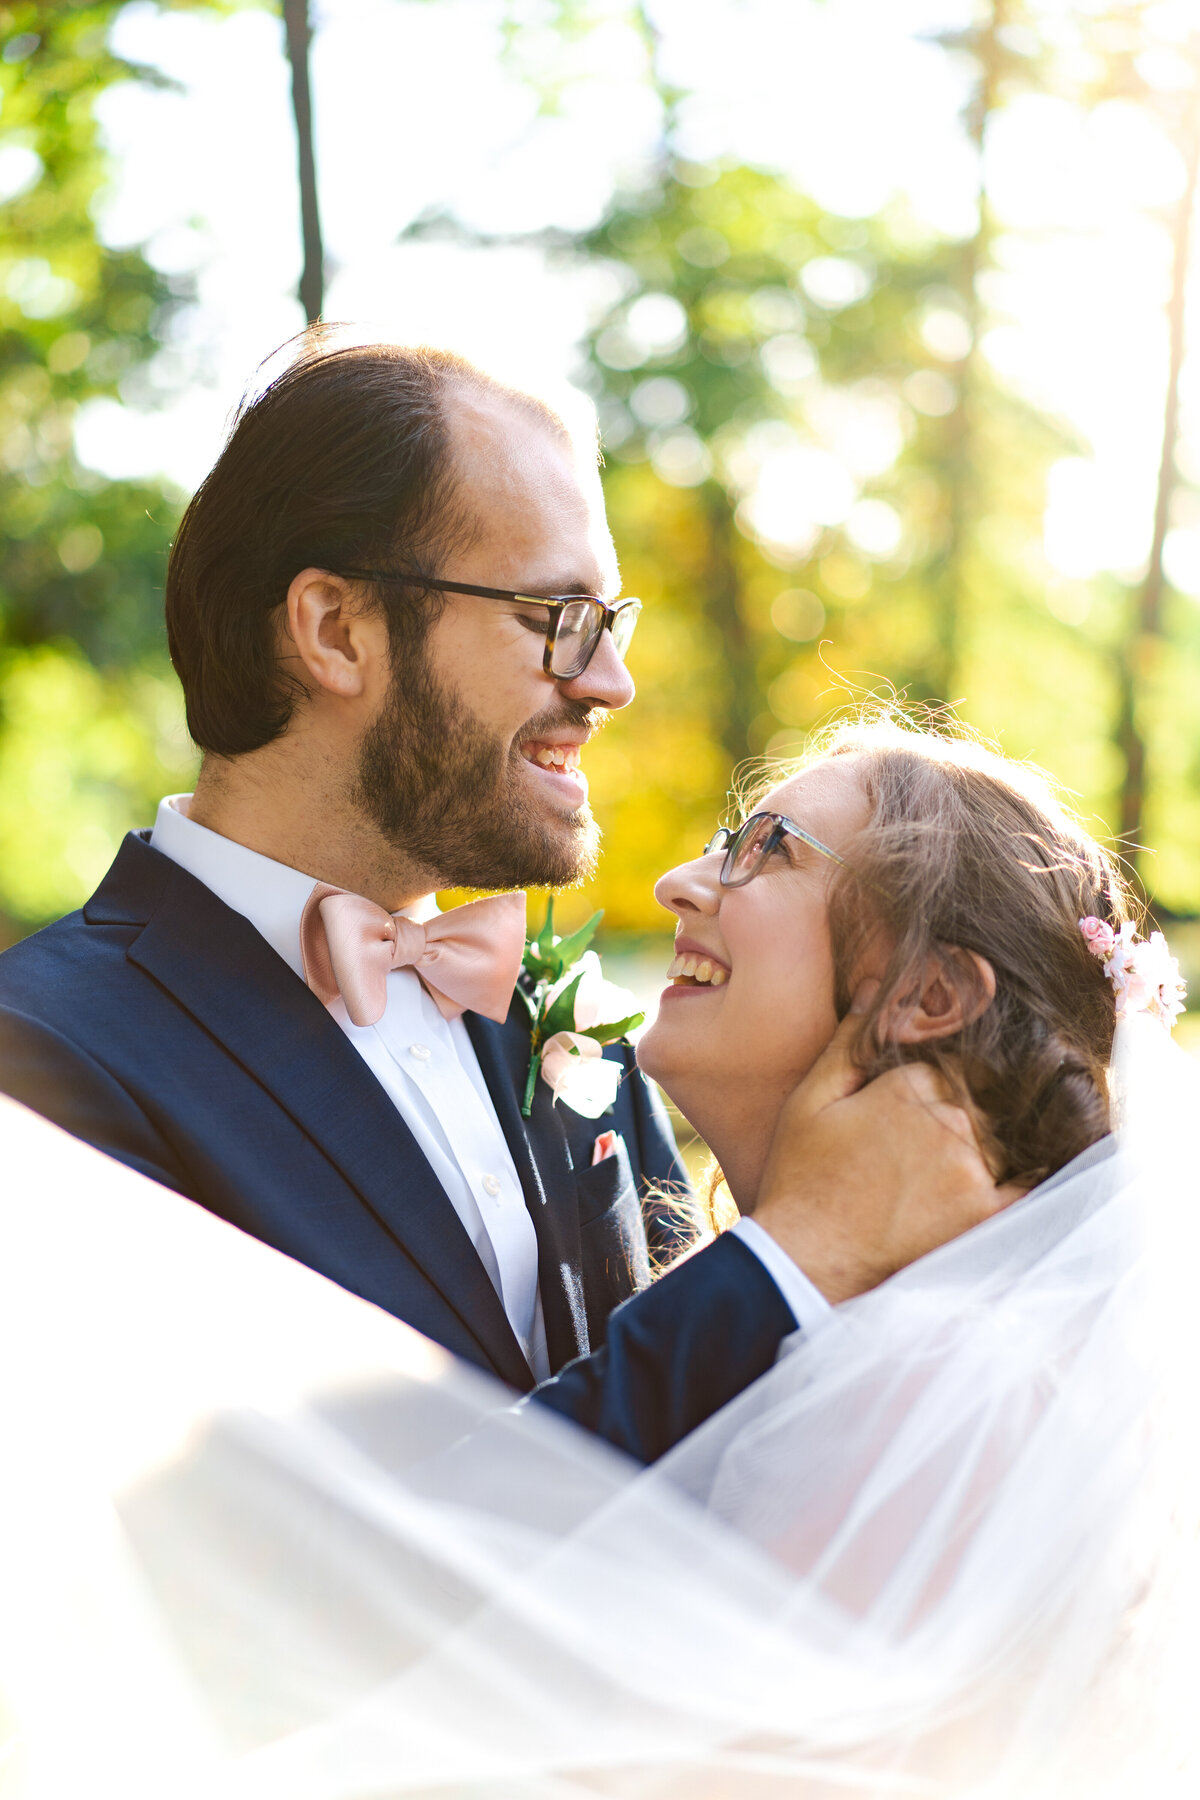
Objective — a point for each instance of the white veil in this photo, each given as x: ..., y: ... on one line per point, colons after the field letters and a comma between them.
x: 259, y: 1541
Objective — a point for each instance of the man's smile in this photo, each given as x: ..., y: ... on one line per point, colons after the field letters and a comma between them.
x: 552, y: 756
x: 556, y: 761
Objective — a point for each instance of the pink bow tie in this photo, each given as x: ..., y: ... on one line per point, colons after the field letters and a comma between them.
x: 468, y: 958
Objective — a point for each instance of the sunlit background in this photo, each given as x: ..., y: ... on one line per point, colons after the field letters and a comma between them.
x: 883, y: 307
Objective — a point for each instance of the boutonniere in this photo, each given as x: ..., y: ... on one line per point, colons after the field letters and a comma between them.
x: 574, y: 1013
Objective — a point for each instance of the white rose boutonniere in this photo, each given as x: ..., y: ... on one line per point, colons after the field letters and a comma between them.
x: 574, y: 1012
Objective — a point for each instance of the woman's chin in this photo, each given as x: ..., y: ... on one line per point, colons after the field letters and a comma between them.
x: 677, y: 1063
x: 647, y: 1054
x: 681, y: 1046
x: 669, y: 1056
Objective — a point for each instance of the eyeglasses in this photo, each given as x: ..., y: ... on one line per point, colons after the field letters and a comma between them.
x: 747, y: 848
x: 575, y: 623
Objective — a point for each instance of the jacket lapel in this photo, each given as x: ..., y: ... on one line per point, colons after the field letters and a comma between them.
x: 230, y: 980
x: 543, y: 1160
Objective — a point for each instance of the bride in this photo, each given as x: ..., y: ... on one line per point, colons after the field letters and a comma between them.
x: 274, y: 1544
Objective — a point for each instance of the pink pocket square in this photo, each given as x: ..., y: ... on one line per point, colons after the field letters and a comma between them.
x: 605, y: 1146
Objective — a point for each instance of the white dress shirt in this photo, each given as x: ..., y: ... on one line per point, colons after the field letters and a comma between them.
x: 426, y: 1065
x: 428, y: 1068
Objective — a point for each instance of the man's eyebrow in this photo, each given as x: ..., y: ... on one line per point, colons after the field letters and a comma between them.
x: 557, y: 590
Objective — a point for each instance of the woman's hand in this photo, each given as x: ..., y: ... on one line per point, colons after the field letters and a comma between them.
x: 863, y: 1179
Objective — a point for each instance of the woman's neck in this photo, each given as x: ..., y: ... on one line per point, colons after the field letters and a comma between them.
x: 738, y: 1129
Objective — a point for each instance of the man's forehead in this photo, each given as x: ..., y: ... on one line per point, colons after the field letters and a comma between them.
x: 531, y: 493
x: 498, y: 437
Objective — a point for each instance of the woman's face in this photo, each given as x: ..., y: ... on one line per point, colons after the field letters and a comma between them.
x: 737, y: 1045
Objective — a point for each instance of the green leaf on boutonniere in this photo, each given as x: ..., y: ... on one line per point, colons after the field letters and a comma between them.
x: 540, y: 957
x: 530, y: 1001
x: 570, y: 949
x: 530, y: 1085
x: 549, y: 960
x: 608, y: 1034
x: 561, y: 1015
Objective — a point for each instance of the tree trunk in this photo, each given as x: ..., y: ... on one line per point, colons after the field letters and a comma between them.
x: 1141, y: 651
x: 741, y: 699
x: 312, y: 278
x: 962, y: 472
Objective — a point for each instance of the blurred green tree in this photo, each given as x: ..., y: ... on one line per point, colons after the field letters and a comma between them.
x: 811, y: 470
x: 1157, y: 653
x: 298, y: 35
x: 779, y: 399
x: 89, y: 725
x: 824, y: 486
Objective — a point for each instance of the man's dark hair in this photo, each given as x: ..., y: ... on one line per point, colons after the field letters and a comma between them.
x: 343, y: 461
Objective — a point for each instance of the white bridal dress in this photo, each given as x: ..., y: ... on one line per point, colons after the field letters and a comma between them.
x: 258, y: 1541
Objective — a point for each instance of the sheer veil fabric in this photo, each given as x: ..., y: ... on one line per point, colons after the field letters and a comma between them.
x: 259, y: 1541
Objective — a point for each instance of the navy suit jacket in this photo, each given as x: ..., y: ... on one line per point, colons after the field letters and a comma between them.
x: 158, y: 1025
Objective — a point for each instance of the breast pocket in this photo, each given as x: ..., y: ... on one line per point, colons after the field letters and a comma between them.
x: 612, y: 1238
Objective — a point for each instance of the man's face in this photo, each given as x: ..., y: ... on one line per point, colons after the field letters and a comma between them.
x: 472, y: 765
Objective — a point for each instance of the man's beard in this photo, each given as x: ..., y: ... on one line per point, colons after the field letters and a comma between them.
x: 454, y: 798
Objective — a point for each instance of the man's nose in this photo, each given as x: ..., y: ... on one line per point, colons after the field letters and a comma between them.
x: 693, y: 887
x: 605, y: 682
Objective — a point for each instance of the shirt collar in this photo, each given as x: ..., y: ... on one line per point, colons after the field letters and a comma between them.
x: 268, y: 893
x: 272, y: 895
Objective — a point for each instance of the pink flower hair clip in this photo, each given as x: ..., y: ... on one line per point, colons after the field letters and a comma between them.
x: 1145, y: 976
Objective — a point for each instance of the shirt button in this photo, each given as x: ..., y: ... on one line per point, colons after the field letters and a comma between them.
x: 422, y: 1052
x: 491, y: 1185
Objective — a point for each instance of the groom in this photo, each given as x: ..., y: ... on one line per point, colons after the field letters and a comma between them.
x: 376, y: 605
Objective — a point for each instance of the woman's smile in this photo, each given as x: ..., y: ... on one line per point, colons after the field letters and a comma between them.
x: 695, y: 969
x: 729, y: 1064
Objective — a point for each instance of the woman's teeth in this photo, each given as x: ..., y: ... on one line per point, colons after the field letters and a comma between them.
x: 697, y: 969
x: 556, y: 756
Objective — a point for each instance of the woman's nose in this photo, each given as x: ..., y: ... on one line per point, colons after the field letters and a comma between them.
x: 692, y: 887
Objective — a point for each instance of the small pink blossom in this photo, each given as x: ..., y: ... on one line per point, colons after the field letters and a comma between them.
x: 1145, y: 976
x: 1098, y: 936
x: 1137, y: 993
x: 579, y: 1074
x: 598, y: 1001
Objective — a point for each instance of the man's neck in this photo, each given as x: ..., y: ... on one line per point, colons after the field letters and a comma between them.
x: 292, y: 816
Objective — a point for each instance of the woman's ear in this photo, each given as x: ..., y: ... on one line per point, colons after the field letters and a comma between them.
x: 956, y: 986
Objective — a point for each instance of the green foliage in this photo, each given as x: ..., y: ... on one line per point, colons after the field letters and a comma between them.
x: 82, y: 559
x: 83, y: 755
x: 799, y: 330
x: 548, y: 956
x: 618, y: 1028
x: 560, y: 1014
x: 548, y: 988
x: 803, y: 339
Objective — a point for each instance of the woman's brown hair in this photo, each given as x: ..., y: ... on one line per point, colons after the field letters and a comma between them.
x: 965, y: 850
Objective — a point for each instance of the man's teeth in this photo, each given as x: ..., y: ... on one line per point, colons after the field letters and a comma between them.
x: 556, y: 756
x: 699, y: 969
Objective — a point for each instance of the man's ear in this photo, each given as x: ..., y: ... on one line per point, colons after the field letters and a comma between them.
x: 955, y: 987
x: 332, y: 634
